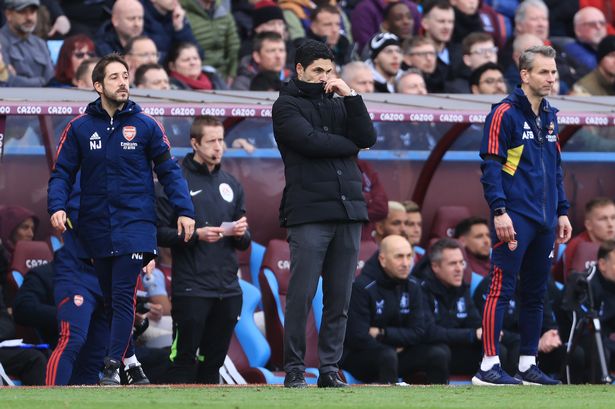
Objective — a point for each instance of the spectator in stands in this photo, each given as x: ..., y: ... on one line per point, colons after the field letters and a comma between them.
x: 325, y: 26
x: 601, y: 80
x: 86, y: 17
x: 74, y: 51
x: 420, y: 53
x: 473, y: 235
x: 411, y: 82
x: 126, y: 22
x: 478, y: 49
x: 83, y: 76
x: 165, y: 23
x: 214, y: 28
x: 140, y: 50
x: 488, y: 79
x: 394, y: 223
x: 26, y: 55
x: 152, y: 76
x: 521, y: 43
x: 368, y: 16
x: 186, y: 70
x: 266, y: 81
x: 386, y: 326
x: 297, y: 16
x: 26, y: 364
x: 269, y: 54
x: 608, y: 6
x: 375, y: 197
x: 16, y: 223
x: 589, y: 30
x: 599, y: 227
x: 206, y: 292
x: 452, y: 317
x: 398, y: 20
x: 467, y: 19
x: 531, y: 17
x: 359, y: 76
x: 438, y: 24
x: 385, y: 61
x: 53, y: 22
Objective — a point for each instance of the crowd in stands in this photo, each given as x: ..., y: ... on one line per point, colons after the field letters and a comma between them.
x: 441, y: 43
x: 416, y: 307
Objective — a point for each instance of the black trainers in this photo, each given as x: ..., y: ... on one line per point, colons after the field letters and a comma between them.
x: 494, y: 377
x: 111, y: 373
x: 295, y: 379
x: 534, y: 376
x: 330, y: 380
x: 135, y: 375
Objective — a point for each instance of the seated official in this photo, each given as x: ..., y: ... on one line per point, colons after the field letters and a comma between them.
x: 386, y: 325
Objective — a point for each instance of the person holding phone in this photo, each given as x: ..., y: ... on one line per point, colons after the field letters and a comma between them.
x: 205, y: 289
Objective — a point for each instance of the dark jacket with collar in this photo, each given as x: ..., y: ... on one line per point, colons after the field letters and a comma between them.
x: 159, y: 27
x: 604, y: 303
x: 521, y: 160
x: 115, y: 155
x: 319, y: 138
x: 451, y: 314
x: 107, y: 41
x: 378, y: 300
x: 7, y: 326
x: 202, y: 269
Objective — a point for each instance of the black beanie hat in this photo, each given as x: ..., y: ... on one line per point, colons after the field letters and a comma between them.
x: 265, y: 11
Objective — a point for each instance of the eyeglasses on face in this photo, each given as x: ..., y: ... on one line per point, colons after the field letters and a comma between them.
x: 491, y: 81
x: 485, y: 51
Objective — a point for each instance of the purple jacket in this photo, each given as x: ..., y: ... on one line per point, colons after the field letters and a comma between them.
x: 367, y: 16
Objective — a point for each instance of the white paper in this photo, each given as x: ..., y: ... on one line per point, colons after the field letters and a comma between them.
x: 228, y: 228
x: 11, y: 343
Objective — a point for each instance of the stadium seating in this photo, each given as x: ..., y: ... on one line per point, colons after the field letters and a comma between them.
x: 27, y: 255
x: 367, y: 249
x: 250, y: 261
x: 584, y: 257
x: 445, y: 220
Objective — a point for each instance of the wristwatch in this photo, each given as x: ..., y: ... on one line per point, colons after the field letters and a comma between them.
x: 499, y: 211
x: 353, y: 93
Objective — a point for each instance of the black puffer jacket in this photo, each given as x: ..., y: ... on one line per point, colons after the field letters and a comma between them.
x: 319, y: 137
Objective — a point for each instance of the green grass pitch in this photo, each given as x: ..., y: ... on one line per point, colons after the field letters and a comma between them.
x: 240, y: 397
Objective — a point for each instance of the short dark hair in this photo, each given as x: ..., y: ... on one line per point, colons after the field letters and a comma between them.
x: 131, y: 43
x: 478, y: 72
x: 263, y: 36
x: 436, y: 250
x: 98, y: 74
x: 312, y: 50
x: 143, y: 69
x: 198, y: 124
x: 176, y: 49
x: 83, y: 67
x: 435, y: 4
x: 464, y: 226
x: 324, y: 7
x: 605, y: 249
x: 474, y: 38
x: 266, y: 81
x: 411, y: 206
x: 598, y: 202
x: 390, y: 6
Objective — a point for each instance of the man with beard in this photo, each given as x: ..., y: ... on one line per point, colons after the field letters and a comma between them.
x: 473, y: 234
x: 116, y: 145
x: 322, y: 206
x: 26, y: 54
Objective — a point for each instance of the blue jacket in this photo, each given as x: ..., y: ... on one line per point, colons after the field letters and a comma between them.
x: 117, y: 211
x: 522, y: 162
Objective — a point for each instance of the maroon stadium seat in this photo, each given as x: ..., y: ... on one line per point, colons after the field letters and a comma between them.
x: 367, y: 250
x: 584, y: 257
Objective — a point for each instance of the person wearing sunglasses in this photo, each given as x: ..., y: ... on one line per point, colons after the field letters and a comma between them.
x: 74, y: 51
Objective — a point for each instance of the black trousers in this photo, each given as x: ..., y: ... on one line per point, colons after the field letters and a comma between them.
x: 205, y: 324
x: 386, y: 365
x: 330, y: 250
x: 26, y: 364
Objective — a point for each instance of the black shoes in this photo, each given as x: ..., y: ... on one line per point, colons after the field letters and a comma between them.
x: 111, y: 373
x: 295, y: 379
x: 135, y: 375
x: 330, y: 380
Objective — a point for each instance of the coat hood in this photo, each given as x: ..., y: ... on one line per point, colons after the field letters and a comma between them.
x: 10, y: 218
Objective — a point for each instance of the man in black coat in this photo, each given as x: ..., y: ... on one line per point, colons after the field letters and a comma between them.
x: 385, y: 336
x: 205, y: 288
x: 451, y: 314
x: 322, y: 206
